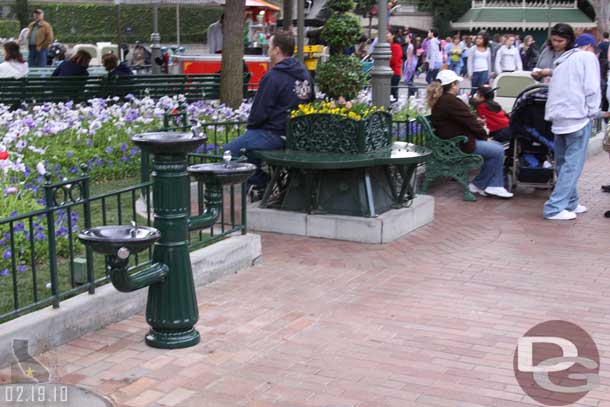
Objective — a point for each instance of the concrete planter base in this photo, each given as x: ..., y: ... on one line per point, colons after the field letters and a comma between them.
x: 382, y: 229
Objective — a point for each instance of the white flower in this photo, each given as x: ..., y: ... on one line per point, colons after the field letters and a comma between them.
x: 41, y: 169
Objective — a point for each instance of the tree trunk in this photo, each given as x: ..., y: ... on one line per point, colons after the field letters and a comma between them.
x: 288, y: 7
x: 602, y: 14
x: 231, y: 77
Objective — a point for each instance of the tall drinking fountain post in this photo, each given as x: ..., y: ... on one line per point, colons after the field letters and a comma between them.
x: 171, y: 310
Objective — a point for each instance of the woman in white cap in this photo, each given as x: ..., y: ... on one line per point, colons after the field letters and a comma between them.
x: 451, y: 117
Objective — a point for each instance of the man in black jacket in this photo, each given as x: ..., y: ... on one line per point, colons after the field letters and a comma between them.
x: 282, y: 89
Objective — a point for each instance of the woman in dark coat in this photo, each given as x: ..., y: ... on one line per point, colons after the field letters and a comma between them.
x: 75, y: 66
x: 451, y: 117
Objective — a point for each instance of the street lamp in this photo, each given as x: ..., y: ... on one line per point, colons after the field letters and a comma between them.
x: 381, y: 74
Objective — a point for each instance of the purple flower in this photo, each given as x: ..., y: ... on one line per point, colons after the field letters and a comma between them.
x: 22, y: 268
x: 109, y: 149
x: 10, y: 190
x: 7, y: 254
x: 4, y: 273
x: 69, y: 154
x: 19, y: 227
x: 124, y: 147
x: 89, y: 142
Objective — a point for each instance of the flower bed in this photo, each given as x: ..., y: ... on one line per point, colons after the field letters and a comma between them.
x: 56, y: 139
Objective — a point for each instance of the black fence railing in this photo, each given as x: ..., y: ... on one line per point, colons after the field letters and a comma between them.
x: 43, y: 261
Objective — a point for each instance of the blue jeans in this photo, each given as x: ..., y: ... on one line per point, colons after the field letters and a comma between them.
x: 570, y: 156
x: 456, y: 67
x: 431, y: 75
x: 37, y: 58
x: 256, y: 139
x: 478, y: 79
x: 492, y: 171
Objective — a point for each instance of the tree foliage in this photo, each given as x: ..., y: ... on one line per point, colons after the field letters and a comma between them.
x: 445, y: 11
x: 365, y: 8
x: 21, y: 12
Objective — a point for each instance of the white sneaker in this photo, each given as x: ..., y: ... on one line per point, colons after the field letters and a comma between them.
x: 563, y: 215
x: 500, y: 192
x: 580, y: 209
x: 476, y: 190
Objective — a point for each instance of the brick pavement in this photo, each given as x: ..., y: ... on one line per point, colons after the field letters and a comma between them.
x: 429, y: 320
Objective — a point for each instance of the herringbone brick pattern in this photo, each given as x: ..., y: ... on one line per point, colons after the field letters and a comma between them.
x: 429, y: 320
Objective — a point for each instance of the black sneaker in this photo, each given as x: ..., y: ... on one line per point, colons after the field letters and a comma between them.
x: 606, y: 188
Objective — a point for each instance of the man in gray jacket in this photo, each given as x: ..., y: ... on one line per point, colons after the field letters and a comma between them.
x: 573, y: 101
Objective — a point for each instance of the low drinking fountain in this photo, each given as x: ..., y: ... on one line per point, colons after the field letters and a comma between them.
x: 171, y: 309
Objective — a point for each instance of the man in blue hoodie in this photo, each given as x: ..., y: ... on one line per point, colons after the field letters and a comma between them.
x: 573, y: 101
x: 282, y: 89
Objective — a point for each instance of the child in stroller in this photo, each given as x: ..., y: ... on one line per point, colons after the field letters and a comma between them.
x: 530, y: 160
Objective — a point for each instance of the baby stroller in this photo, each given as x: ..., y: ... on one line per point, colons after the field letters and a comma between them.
x: 530, y: 157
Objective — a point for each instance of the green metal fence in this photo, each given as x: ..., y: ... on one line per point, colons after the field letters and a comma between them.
x: 47, y: 262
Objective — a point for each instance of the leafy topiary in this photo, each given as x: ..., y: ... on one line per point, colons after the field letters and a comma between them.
x: 341, y: 31
x: 341, y: 75
x: 341, y: 6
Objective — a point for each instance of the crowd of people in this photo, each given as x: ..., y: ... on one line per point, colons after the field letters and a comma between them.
x: 478, y: 57
x: 574, y: 100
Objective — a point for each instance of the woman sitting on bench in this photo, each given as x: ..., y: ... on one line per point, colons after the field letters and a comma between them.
x: 451, y: 117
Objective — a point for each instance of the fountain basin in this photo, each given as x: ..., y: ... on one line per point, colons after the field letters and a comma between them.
x: 109, y: 239
x: 222, y: 174
x: 168, y: 142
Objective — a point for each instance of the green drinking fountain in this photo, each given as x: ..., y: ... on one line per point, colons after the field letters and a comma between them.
x: 171, y: 309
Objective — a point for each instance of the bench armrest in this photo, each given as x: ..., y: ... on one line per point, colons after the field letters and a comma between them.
x: 443, y: 149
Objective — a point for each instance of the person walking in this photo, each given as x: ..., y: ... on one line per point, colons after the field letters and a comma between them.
x: 455, y: 55
x: 529, y: 53
x: 573, y: 101
x: 39, y: 38
x: 479, y: 62
x: 410, y: 65
x: 215, y: 38
x: 395, y: 62
x: 508, y: 58
x: 434, y: 57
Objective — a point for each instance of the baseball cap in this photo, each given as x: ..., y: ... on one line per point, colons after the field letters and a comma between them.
x: 485, y: 90
x: 585, y: 39
x: 447, y: 76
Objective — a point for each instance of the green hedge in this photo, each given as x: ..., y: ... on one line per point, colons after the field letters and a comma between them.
x: 9, y: 28
x: 89, y: 23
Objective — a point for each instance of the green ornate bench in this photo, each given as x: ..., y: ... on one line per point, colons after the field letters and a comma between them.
x: 448, y: 159
x: 338, y: 165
